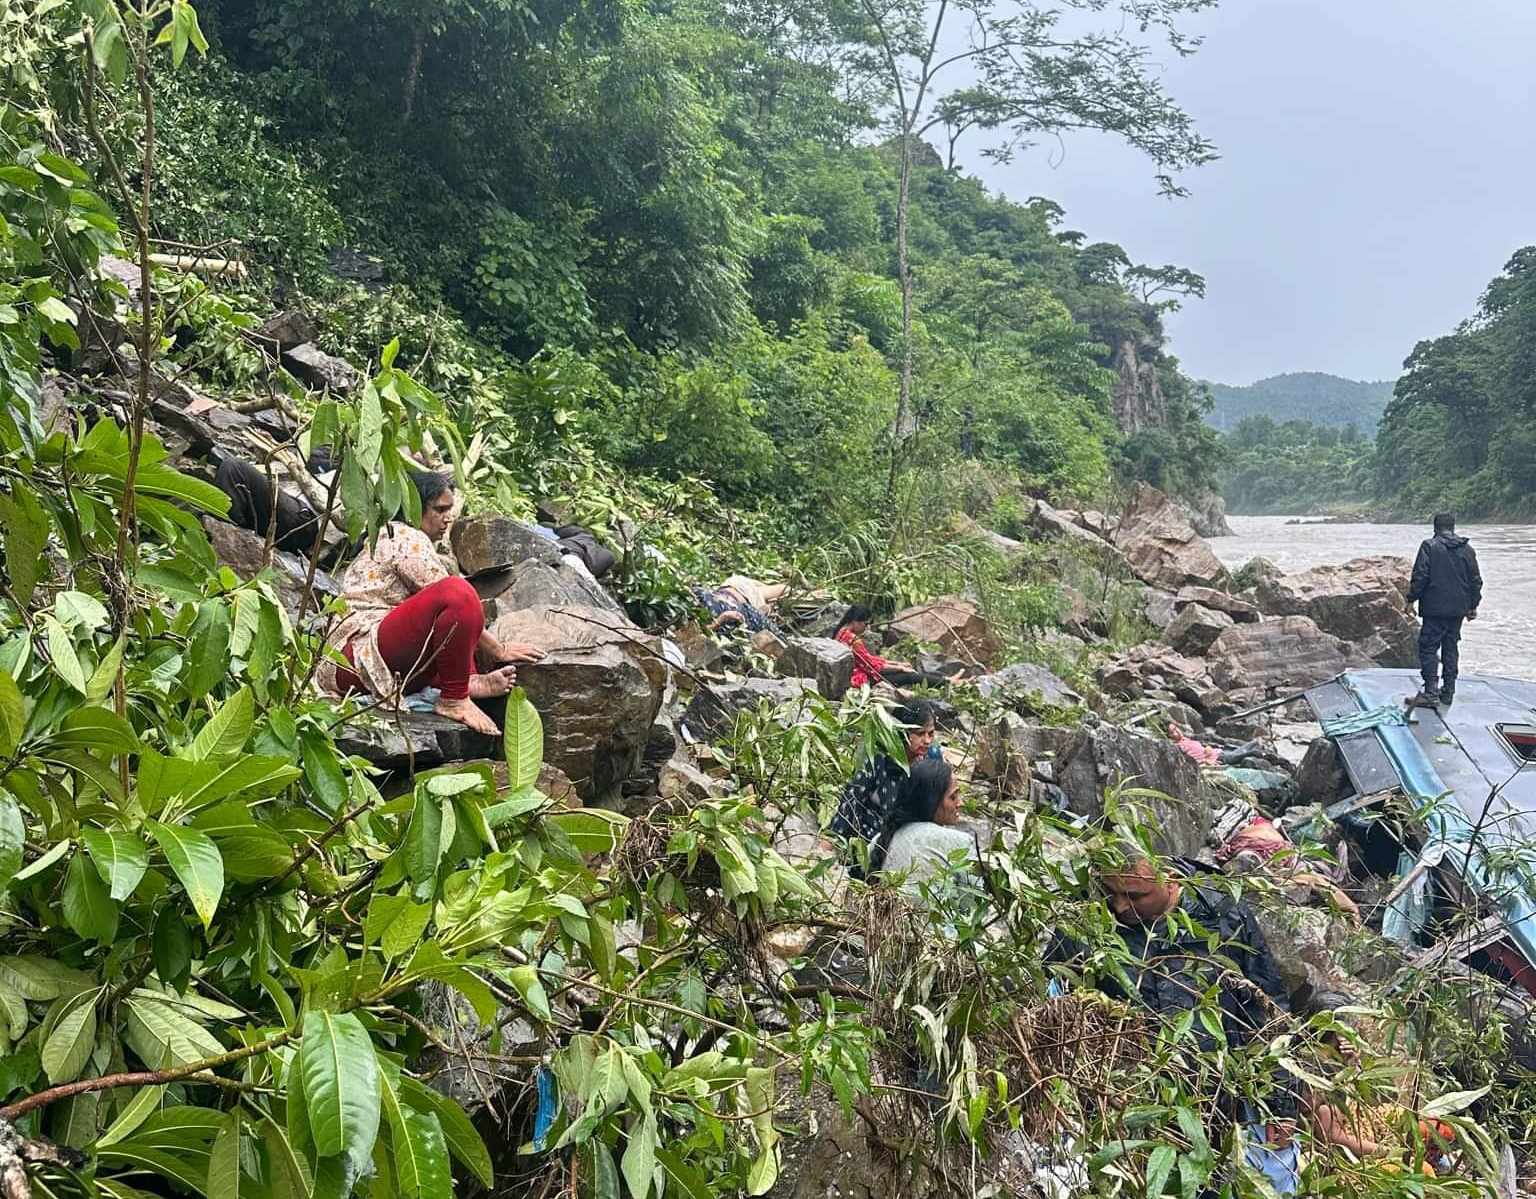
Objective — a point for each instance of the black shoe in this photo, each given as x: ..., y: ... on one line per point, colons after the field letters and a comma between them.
x: 1448, y: 694
x: 1428, y: 698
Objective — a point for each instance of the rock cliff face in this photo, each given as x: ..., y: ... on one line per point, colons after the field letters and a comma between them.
x: 1139, y: 400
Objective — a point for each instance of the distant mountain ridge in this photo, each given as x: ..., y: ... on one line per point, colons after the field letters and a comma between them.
x: 1304, y: 395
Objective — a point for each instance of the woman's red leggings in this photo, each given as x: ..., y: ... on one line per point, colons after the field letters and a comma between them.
x: 430, y: 639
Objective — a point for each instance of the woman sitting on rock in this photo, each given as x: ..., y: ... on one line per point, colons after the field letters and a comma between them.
x: 872, y: 792
x: 868, y: 668
x: 410, y: 624
x: 919, y: 835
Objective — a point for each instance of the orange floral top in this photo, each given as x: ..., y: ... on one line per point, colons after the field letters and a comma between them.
x: 400, y: 564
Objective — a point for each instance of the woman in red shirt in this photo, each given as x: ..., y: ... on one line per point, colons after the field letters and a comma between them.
x: 868, y: 668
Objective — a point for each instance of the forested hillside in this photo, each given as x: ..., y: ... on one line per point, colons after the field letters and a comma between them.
x: 1295, y: 467
x: 1312, y: 396
x: 1458, y: 432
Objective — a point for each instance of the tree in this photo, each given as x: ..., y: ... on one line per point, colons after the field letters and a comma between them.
x: 1029, y: 73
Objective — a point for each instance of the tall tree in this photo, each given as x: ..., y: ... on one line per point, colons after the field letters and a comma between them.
x: 1029, y: 69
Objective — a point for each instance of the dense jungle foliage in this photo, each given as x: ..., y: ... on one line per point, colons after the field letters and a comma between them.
x: 1313, y: 396
x: 1295, y: 467
x: 1457, y: 434
x: 621, y: 249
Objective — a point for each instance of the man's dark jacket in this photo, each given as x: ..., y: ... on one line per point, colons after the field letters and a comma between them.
x: 1446, y: 581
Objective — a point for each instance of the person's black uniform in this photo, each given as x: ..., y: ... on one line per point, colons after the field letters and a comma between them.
x: 1448, y: 588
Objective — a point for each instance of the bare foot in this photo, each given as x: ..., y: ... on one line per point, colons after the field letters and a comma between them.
x: 465, y: 712
x: 492, y: 683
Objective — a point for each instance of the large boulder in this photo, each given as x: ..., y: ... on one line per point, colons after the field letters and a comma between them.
x: 321, y: 371
x: 1237, y: 608
x: 1288, y: 652
x: 1159, y: 668
x: 533, y: 584
x: 1321, y: 777
x: 1362, y: 601
x: 1025, y: 684
x: 488, y: 543
x: 598, y: 690
x: 829, y: 662
x: 1195, y: 629
x: 1050, y: 524
x: 1178, y: 813
x: 954, y: 624
x: 244, y: 553
x: 715, y: 706
x: 1207, y: 512
x: 1162, y: 546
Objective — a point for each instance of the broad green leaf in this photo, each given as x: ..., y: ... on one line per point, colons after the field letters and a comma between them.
x: 424, y: 844
x: 341, y: 1084
x: 61, y: 649
x: 224, y: 1160
x: 13, y: 839
x: 40, y: 979
x: 228, y: 730
x: 323, y: 771
x: 370, y: 429
x: 208, y: 648
x: 77, y: 610
x: 289, y: 1176
x: 195, y: 859
x: 69, y: 1045
x: 171, y: 948
x: 605, y: 1177
x: 591, y: 830
x: 43, y: 861
x: 97, y: 729
x: 639, y: 1162
x: 421, y: 1155
x: 526, y: 980
x: 758, y: 1092
x: 464, y: 1142
x: 104, y: 677
x: 1452, y: 1102
x: 1159, y: 1166
x: 89, y: 908
x: 143, y: 1105
x: 119, y: 856
x: 13, y: 714
x: 522, y: 741
x: 162, y: 1036
x: 395, y: 923
x: 26, y: 527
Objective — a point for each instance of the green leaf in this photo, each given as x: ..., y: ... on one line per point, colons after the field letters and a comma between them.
x: 120, y: 858
x: 26, y: 540
x: 196, y: 861
x: 341, y: 1084
x: 42, y: 863
x: 163, y: 1036
x: 13, y: 839
x: 224, y: 1160
x: 40, y: 979
x: 69, y: 1045
x: 143, y: 1105
x: 591, y: 830
x: 171, y: 948
x: 420, y: 1148
x: 370, y: 429
x: 395, y: 923
x: 758, y: 1090
x: 526, y: 980
x: 605, y: 1178
x: 522, y: 741
x: 61, y: 649
x: 77, y: 610
x: 13, y: 714
x: 98, y: 729
x: 424, y: 842
x: 1451, y: 1103
x: 104, y: 677
x: 290, y: 1179
x: 639, y: 1162
x: 464, y: 1142
x: 228, y: 730
x: 88, y: 907
x: 1159, y: 1167
x: 208, y: 648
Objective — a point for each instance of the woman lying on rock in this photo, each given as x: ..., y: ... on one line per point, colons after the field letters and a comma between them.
x: 868, y: 668
x: 741, y: 601
x: 410, y: 624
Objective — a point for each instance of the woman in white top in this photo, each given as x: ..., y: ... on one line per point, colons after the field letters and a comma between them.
x: 920, y: 835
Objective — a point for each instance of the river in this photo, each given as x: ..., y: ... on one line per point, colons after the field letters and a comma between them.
x: 1503, y: 638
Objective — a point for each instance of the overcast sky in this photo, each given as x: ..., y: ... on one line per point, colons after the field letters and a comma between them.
x: 1378, y: 168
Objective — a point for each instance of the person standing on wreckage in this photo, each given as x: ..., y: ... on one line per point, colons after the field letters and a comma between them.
x: 1448, y: 587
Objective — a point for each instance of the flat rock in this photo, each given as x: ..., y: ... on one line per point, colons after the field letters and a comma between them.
x: 242, y: 551
x: 418, y: 739
x: 1007, y: 547
x: 1162, y: 546
x: 534, y: 584
x: 953, y: 623
x: 1024, y: 684
x: 1193, y: 631
x: 1160, y: 607
x: 1286, y: 652
x: 488, y: 543
x: 826, y: 661
x: 287, y: 330
x: 315, y: 368
x: 1237, y: 608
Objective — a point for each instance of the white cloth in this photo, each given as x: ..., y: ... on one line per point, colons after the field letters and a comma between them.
x: 917, y: 850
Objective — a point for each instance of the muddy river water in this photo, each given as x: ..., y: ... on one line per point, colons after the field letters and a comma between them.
x: 1501, y: 641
